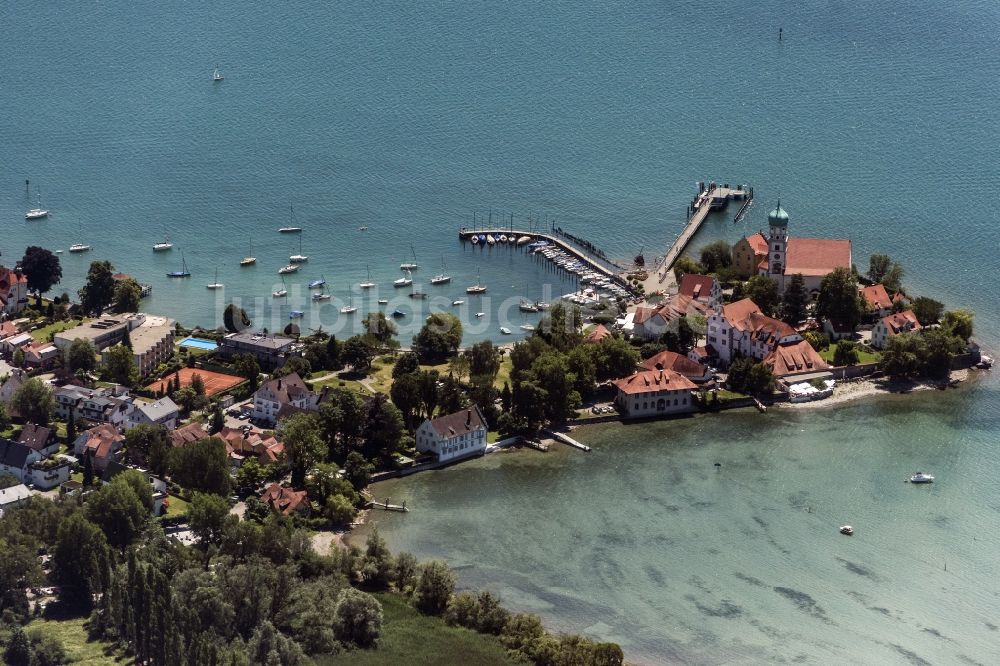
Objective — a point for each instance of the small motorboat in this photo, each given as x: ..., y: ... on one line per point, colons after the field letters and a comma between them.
x: 217, y: 75
x: 296, y: 314
x: 418, y: 295
x: 383, y: 301
x: 847, y: 530
x: 527, y: 306
x: 403, y: 281
x: 505, y: 330
x: 441, y: 279
x: 985, y: 362
x: 458, y: 302
x: 348, y: 309
x: 289, y: 230
x: 523, y: 239
x: 527, y: 327
x: 920, y: 477
x: 397, y: 313
x: 475, y: 240
x: 362, y: 228
x: 503, y: 238
x: 480, y: 315
x: 78, y: 247
x: 490, y: 240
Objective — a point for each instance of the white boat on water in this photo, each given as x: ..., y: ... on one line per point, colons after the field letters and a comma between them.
x: 457, y: 302
x: 37, y: 212
x: 290, y: 268
x: 503, y: 238
x: 847, y: 530
x: 480, y: 315
x: 477, y: 288
x: 383, y: 301
x: 78, y: 247
x: 410, y: 265
x: 321, y: 296
x: 249, y: 260
x: 217, y: 75
x: 527, y: 327
x: 279, y: 293
x: 920, y: 477
x: 215, y: 284
x: 490, y: 240
x: 162, y: 246
x: 298, y: 258
x: 348, y: 309
x: 404, y: 281
x: 523, y: 240
x: 504, y: 330
x: 367, y: 284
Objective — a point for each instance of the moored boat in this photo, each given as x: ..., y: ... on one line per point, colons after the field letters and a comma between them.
x: 290, y: 268
x: 920, y: 477
x: 296, y: 314
x: 78, y: 247
x: 847, y: 530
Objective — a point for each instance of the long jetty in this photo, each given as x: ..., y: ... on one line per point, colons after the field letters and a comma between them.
x: 566, y: 439
x: 711, y: 198
x: 466, y: 234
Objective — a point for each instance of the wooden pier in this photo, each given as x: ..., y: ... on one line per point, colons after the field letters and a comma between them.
x: 711, y: 198
x: 466, y: 234
x: 385, y: 506
x: 566, y: 439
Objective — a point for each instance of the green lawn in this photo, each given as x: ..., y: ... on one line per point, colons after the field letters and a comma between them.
x: 73, y: 636
x: 503, y: 376
x: 865, y: 355
x: 43, y: 333
x: 176, y: 506
x: 417, y: 640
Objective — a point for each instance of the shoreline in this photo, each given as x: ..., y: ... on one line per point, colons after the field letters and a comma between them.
x: 855, y: 389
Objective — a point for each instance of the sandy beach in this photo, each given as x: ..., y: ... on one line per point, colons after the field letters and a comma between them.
x: 856, y: 389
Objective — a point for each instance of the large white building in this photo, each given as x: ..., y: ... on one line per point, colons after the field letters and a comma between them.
x: 654, y: 393
x: 152, y: 337
x: 457, y: 435
x: 272, y: 396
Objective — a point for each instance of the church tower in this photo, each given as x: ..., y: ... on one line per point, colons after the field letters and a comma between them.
x: 777, y: 243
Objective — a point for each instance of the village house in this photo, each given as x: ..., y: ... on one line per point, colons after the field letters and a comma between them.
x: 100, y: 405
x: 285, y: 500
x: 40, y: 355
x: 682, y: 365
x: 780, y: 256
x: 650, y: 323
x: 742, y: 328
x: 13, y: 291
x: 241, y: 445
x: 188, y: 434
x: 39, y: 438
x: 892, y: 325
x: 794, y: 358
x: 14, y: 342
x: 877, y: 300
x: 13, y: 497
x: 271, y: 351
x: 9, y: 388
x: 269, y: 399
x: 163, y: 412
x: 157, y: 486
x: 704, y: 289
x: 16, y: 458
x: 650, y: 393
x: 458, y: 435
x: 596, y: 334
x: 101, y: 443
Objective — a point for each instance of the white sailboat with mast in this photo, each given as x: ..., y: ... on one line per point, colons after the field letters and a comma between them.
x: 410, y: 265
x: 37, y: 212
x: 249, y: 260
x: 441, y: 278
x: 216, y: 284
x: 298, y: 258
x: 367, y: 284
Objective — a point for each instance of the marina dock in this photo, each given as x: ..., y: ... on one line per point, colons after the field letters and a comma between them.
x: 385, y: 506
x: 566, y: 439
x: 466, y: 234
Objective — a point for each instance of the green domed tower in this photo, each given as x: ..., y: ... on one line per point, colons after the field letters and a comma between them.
x: 777, y: 221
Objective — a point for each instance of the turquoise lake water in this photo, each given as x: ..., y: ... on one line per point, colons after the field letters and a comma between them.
x: 877, y: 123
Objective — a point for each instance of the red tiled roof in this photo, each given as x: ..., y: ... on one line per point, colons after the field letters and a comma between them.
x: 738, y: 313
x: 192, y: 432
x: 648, y: 381
x: 758, y: 242
x: 877, y: 297
x: 901, y: 322
x: 668, y: 360
x: 768, y: 329
x: 697, y: 286
x: 101, y: 440
x: 284, y: 500
x: 816, y: 256
x: 596, y: 335
x: 643, y: 314
x: 793, y: 358
x: 700, y: 351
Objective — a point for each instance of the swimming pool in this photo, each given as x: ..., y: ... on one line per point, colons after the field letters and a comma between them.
x: 198, y: 343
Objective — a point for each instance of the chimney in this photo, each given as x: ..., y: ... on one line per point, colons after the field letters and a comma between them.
x: 468, y: 418
x: 279, y: 383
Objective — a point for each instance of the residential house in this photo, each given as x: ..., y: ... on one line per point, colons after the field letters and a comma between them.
x: 892, y: 325
x: 188, y: 434
x: 152, y: 337
x: 158, y: 487
x: 837, y: 330
x: 41, y: 355
x: 785, y: 256
x: 16, y: 458
x: 877, y: 300
x: 102, y: 443
x: 682, y: 365
x: 50, y: 472
x: 9, y: 388
x: 458, y: 435
x: 748, y: 252
x: 794, y: 358
x: 289, y: 390
x: 100, y: 405
x: 17, y: 341
x: 271, y: 351
x: 13, y: 291
x: 654, y: 393
x: 652, y: 323
x: 13, y: 496
x: 285, y: 500
x: 702, y: 288
x: 241, y: 445
x: 39, y: 438
x: 162, y: 412
x: 742, y: 328
x: 597, y: 334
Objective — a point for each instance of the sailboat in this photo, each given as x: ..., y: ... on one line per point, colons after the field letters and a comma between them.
x: 410, y: 265
x: 290, y: 268
x: 526, y: 305
x: 216, y: 284
x: 182, y: 273
x: 321, y: 295
x: 368, y: 284
x: 316, y: 284
x: 291, y: 229
x: 216, y: 75
x: 280, y: 293
x: 477, y: 288
x: 38, y: 212
x: 298, y: 258
x: 78, y: 247
x: 249, y: 260
x: 441, y: 278
x: 162, y: 246
x: 348, y: 308
x: 404, y: 281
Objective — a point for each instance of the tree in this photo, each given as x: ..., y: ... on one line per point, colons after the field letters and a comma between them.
x: 333, y: 354
x: 376, y: 564
x: 34, y: 402
x: 81, y: 356
x: 845, y: 353
x: 384, y: 428
x: 685, y: 265
x: 235, y: 318
x: 145, y: 442
x: 357, y: 470
x: 379, y: 328
x: 88, y: 469
x: 80, y: 558
x: 458, y: 366
x: 358, y: 618
x: 294, y: 365
x: 434, y: 588
x: 795, y: 301
x: 185, y: 399
x: 763, y: 291
x: 902, y: 356
x: 406, y: 364
x: 4, y: 417
x: 484, y: 360
x: 560, y: 328
x: 41, y: 267
x: 939, y: 346
x: 839, y: 300
x: 613, y: 358
x: 218, y: 420
x: 269, y: 647
x: 716, y: 256
x: 250, y: 476
x: 882, y: 269
x: 358, y: 353
x: 119, y: 366
x: 438, y: 338
x: 99, y: 291
x: 552, y: 374
x: 747, y: 376
x: 339, y: 511
x: 18, y: 652
x: 118, y: 511
x: 197, y: 384
x: 405, y: 393
x: 202, y: 465
x: 246, y: 366
x: 207, y: 515
x: 304, y: 447
x: 127, y: 295
x: 959, y: 323
x: 927, y: 310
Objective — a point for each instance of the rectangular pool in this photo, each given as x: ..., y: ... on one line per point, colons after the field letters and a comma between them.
x: 198, y: 343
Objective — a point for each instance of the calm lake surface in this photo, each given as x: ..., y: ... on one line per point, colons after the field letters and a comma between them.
x: 877, y: 123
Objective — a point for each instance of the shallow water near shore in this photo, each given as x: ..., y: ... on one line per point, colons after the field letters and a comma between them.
x: 646, y: 542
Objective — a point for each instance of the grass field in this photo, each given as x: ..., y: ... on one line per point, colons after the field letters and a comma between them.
x: 73, y: 636
x: 417, y: 640
x: 215, y: 382
x: 865, y: 355
x: 44, y: 333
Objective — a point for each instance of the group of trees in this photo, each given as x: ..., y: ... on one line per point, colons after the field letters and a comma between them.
x: 749, y: 376
x: 928, y: 352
